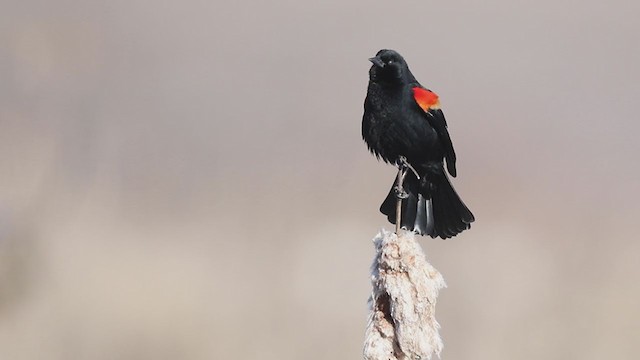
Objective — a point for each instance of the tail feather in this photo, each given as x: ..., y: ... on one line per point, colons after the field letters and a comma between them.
x: 443, y: 214
x: 452, y: 223
x: 409, y: 211
x: 451, y: 214
x: 440, y: 212
x: 422, y: 225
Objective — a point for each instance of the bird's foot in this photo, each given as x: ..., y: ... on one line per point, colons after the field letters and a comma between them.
x: 400, y: 193
x: 403, y: 165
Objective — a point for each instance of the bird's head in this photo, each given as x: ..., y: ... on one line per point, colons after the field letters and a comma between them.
x: 388, y: 67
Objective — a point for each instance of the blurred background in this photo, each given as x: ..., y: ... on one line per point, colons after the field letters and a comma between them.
x: 187, y: 180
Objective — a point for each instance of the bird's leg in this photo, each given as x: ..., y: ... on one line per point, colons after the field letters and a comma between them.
x: 403, y: 167
x: 402, y: 162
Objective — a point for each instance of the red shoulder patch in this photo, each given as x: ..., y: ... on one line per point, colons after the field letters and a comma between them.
x: 426, y: 99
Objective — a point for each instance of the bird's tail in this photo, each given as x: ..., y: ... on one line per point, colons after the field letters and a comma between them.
x: 437, y: 211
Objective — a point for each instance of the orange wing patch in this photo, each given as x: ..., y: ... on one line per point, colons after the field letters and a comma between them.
x: 426, y: 99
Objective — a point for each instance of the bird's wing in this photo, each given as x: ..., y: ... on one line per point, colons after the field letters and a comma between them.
x: 429, y: 102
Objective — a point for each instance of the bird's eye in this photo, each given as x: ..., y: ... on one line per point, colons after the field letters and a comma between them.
x: 390, y: 62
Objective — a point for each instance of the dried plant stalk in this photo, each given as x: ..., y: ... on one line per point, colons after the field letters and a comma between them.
x: 402, y: 324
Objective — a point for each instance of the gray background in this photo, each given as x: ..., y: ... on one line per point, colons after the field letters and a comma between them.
x: 186, y: 180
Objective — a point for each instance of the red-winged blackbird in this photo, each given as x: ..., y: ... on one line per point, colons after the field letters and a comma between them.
x: 403, y: 125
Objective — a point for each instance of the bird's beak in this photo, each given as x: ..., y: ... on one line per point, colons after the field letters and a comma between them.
x: 377, y: 61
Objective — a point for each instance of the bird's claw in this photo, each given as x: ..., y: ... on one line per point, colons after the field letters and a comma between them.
x: 400, y: 193
x: 402, y: 162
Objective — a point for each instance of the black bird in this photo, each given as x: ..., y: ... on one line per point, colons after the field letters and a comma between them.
x: 404, y: 125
